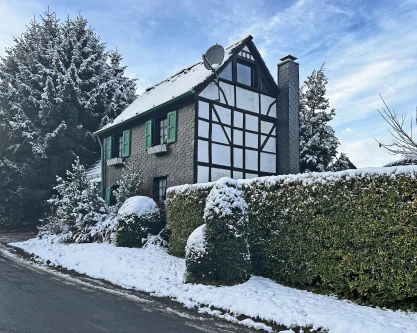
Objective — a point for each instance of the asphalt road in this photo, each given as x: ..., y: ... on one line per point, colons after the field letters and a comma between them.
x: 36, y: 300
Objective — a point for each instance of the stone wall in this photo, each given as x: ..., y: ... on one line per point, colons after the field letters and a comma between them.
x: 177, y: 164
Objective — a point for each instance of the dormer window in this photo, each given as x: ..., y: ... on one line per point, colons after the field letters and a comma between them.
x: 246, y: 74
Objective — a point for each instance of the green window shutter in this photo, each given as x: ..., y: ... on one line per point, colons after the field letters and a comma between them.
x: 172, y: 126
x: 148, y: 134
x: 126, y: 144
x: 109, y: 146
x: 108, y: 196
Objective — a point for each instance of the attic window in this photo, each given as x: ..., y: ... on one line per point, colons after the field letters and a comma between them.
x: 245, y: 74
x: 227, y: 72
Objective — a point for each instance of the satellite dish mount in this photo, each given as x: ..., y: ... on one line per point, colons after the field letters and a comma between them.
x: 212, y: 60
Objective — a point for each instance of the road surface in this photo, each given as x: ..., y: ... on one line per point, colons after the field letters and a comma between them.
x: 36, y: 300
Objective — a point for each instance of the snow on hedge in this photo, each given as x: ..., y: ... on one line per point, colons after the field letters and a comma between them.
x: 152, y: 270
x: 311, y: 177
x: 197, y: 241
x: 139, y: 206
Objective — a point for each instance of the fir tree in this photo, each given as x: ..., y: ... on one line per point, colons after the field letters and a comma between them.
x: 58, y: 85
x: 341, y: 163
x: 78, y: 205
x: 318, y: 142
x: 130, y: 184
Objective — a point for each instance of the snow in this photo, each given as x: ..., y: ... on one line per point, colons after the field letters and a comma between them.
x: 138, y: 205
x: 152, y: 270
x: 177, y: 85
x: 197, y: 241
x: 94, y: 173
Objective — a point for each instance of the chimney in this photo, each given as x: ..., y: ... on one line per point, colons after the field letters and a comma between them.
x: 288, y: 119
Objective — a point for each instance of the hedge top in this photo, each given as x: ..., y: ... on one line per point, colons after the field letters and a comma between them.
x: 310, y: 178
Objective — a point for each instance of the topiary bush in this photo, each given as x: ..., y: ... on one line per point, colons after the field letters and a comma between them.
x: 137, y: 219
x: 184, y: 213
x: 218, y: 251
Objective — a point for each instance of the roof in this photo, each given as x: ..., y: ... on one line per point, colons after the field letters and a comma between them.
x: 94, y: 173
x: 179, y: 85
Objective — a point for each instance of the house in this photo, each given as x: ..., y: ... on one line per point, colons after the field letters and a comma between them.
x: 189, y: 129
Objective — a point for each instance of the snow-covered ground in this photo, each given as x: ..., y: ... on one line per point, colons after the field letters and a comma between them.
x: 153, y: 270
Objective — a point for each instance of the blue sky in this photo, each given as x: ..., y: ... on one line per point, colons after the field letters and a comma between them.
x: 368, y: 47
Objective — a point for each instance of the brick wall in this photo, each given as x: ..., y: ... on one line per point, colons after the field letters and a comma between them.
x: 177, y: 164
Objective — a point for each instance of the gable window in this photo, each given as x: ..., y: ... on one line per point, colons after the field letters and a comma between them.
x: 227, y: 72
x: 160, y: 188
x: 245, y: 74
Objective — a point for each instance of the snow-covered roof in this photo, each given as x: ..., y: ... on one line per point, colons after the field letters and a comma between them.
x: 94, y: 173
x: 180, y: 83
x: 402, y: 161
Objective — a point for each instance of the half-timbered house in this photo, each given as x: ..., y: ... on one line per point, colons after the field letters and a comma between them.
x: 190, y: 128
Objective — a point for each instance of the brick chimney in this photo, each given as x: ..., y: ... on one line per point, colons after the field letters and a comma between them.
x: 288, y: 128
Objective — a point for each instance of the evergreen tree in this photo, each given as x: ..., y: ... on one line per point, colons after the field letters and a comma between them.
x: 342, y: 163
x: 58, y: 85
x: 78, y: 205
x: 318, y: 143
x: 130, y: 184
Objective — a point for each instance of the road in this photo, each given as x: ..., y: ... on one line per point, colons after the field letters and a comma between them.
x: 34, y: 299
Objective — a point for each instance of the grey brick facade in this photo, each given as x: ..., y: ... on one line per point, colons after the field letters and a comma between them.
x: 288, y: 116
x: 177, y: 164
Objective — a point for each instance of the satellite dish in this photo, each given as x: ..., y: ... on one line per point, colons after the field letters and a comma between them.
x: 213, y: 57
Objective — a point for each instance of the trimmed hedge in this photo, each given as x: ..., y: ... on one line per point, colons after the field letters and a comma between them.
x: 218, y: 252
x: 184, y: 213
x: 352, y: 233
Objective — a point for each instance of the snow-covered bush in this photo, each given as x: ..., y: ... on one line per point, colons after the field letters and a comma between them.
x: 352, y: 233
x: 78, y: 207
x: 137, y: 219
x: 218, y: 251
x: 130, y: 183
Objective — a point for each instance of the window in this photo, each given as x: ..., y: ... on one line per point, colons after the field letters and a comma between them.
x: 160, y: 188
x: 227, y: 72
x: 161, y: 132
x: 118, y: 145
x: 245, y: 74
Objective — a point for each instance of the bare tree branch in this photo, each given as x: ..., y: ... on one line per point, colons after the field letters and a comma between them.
x: 402, y: 142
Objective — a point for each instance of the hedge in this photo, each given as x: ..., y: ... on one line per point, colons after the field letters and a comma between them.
x: 218, y: 251
x: 352, y: 233
x: 184, y: 213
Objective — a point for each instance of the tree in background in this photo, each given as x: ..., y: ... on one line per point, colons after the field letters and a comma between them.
x: 130, y: 183
x: 58, y: 85
x: 402, y: 140
x: 318, y: 142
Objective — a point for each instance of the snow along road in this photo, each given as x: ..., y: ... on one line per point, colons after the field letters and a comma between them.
x: 34, y: 299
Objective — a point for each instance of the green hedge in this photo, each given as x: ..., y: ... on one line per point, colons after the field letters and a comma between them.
x: 352, y: 233
x: 220, y: 253
x: 184, y: 213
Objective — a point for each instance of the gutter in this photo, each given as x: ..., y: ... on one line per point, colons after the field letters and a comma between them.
x: 103, y: 168
x: 137, y: 116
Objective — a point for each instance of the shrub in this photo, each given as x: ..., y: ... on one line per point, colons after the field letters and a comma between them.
x: 137, y: 219
x: 352, y: 233
x: 219, y: 252
x: 184, y: 213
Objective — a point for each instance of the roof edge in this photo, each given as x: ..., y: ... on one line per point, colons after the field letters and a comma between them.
x: 124, y: 122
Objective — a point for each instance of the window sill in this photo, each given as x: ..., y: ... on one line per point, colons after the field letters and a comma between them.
x: 158, y: 149
x: 115, y: 161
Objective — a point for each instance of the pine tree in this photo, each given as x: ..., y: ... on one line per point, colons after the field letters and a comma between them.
x: 341, y: 163
x: 58, y: 85
x: 318, y: 143
x: 78, y: 205
x: 130, y: 184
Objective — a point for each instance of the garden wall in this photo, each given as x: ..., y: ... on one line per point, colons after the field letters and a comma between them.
x: 352, y: 232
